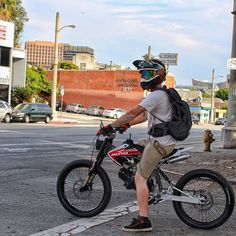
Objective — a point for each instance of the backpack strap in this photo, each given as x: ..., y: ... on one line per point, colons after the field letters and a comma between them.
x: 163, y: 89
x: 156, y: 117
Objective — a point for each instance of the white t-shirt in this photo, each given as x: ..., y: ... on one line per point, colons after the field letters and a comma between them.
x: 157, y: 102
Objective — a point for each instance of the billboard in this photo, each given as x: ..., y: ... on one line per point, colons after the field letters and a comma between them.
x: 6, y: 34
x: 169, y: 58
x: 4, y: 75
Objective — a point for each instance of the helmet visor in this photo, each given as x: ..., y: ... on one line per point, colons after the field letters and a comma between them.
x: 147, y: 74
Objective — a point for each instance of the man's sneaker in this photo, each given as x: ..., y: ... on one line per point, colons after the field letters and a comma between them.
x: 139, y: 225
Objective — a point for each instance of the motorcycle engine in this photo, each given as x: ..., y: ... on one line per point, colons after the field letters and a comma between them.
x: 127, y: 175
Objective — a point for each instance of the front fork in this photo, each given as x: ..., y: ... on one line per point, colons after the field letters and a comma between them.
x: 107, y: 144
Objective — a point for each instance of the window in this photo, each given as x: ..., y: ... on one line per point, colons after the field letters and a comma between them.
x: 4, y: 92
x: 5, y: 56
x: 34, y: 107
x: 83, y: 66
x: 44, y: 107
x: 2, y: 105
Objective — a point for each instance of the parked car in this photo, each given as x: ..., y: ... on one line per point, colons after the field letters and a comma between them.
x: 77, y: 108
x: 95, y: 110
x: 114, y: 113
x: 32, y: 112
x: 5, y: 111
x: 195, y: 120
x: 58, y: 106
x: 220, y: 121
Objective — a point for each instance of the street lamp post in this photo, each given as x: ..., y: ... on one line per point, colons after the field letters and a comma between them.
x: 229, y: 131
x: 213, y: 95
x: 55, y: 64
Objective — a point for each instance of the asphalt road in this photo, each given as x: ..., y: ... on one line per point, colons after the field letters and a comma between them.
x: 31, y: 157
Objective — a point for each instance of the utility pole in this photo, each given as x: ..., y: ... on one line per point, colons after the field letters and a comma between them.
x: 55, y: 65
x: 149, y: 52
x: 229, y: 131
x: 145, y: 92
x: 212, y: 97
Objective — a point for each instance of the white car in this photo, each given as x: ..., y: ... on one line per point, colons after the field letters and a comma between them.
x: 114, y: 113
x: 76, y: 108
x: 5, y: 111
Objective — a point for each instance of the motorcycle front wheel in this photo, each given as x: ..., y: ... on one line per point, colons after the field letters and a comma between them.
x: 217, y: 199
x: 83, y: 202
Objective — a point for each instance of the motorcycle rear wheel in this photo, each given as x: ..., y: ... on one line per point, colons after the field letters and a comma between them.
x: 83, y: 203
x: 217, y: 195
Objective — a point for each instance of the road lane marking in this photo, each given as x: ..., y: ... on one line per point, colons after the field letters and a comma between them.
x: 16, y: 149
x: 83, y: 224
x: 65, y: 144
x: 8, y: 131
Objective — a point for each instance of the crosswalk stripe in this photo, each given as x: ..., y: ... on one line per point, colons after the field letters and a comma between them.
x: 83, y: 224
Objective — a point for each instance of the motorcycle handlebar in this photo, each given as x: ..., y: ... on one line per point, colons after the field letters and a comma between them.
x: 117, y: 129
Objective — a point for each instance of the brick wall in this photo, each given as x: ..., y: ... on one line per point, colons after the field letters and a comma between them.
x: 108, y: 88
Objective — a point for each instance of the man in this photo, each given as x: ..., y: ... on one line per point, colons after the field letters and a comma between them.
x: 154, y: 106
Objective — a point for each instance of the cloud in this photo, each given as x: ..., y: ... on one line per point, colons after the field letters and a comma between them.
x: 121, y: 30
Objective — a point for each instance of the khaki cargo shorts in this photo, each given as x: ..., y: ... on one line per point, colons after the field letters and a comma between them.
x: 152, y: 154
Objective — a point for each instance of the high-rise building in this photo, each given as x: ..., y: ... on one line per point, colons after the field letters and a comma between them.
x: 82, y: 56
x: 41, y: 53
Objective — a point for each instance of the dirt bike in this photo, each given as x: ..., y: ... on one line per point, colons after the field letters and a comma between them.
x: 202, y: 198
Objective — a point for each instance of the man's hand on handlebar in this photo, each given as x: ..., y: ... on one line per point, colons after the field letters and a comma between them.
x: 123, y: 128
x: 106, y: 130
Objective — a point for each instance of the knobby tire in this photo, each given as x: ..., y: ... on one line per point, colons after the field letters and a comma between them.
x: 215, y: 201
x: 88, y: 203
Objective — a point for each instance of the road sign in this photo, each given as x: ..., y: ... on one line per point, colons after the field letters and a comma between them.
x: 62, y: 90
x: 169, y: 58
x: 231, y: 64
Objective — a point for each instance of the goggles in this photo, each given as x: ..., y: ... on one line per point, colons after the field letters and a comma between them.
x: 147, y: 74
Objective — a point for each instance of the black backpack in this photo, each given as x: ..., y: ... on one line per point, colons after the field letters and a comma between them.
x: 181, y: 121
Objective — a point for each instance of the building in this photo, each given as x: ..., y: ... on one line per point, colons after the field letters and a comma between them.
x: 81, y: 56
x: 12, y: 62
x: 41, y: 53
x: 201, y: 107
x: 108, y: 88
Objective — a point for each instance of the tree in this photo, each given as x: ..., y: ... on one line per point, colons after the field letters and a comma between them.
x: 12, y: 10
x: 66, y: 65
x: 20, y: 95
x: 206, y: 95
x: 37, y: 82
x: 37, y: 87
x: 222, y: 93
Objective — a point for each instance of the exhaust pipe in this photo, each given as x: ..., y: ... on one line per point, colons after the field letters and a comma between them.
x: 175, y: 159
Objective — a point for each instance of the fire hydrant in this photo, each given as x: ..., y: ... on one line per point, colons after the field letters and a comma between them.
x: 208, y: 139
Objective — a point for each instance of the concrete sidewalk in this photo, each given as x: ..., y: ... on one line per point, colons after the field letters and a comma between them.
x: 220, y: 160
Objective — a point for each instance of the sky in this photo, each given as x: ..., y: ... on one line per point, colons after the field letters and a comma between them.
x: 122, y: 30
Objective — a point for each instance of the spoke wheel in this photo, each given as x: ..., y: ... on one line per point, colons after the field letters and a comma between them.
x: 87, y: 201
x: 216, y: 199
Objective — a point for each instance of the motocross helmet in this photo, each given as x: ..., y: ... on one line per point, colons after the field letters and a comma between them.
x: 152, y: 72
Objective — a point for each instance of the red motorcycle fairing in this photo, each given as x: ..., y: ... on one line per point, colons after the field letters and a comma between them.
x: 123, y: 151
